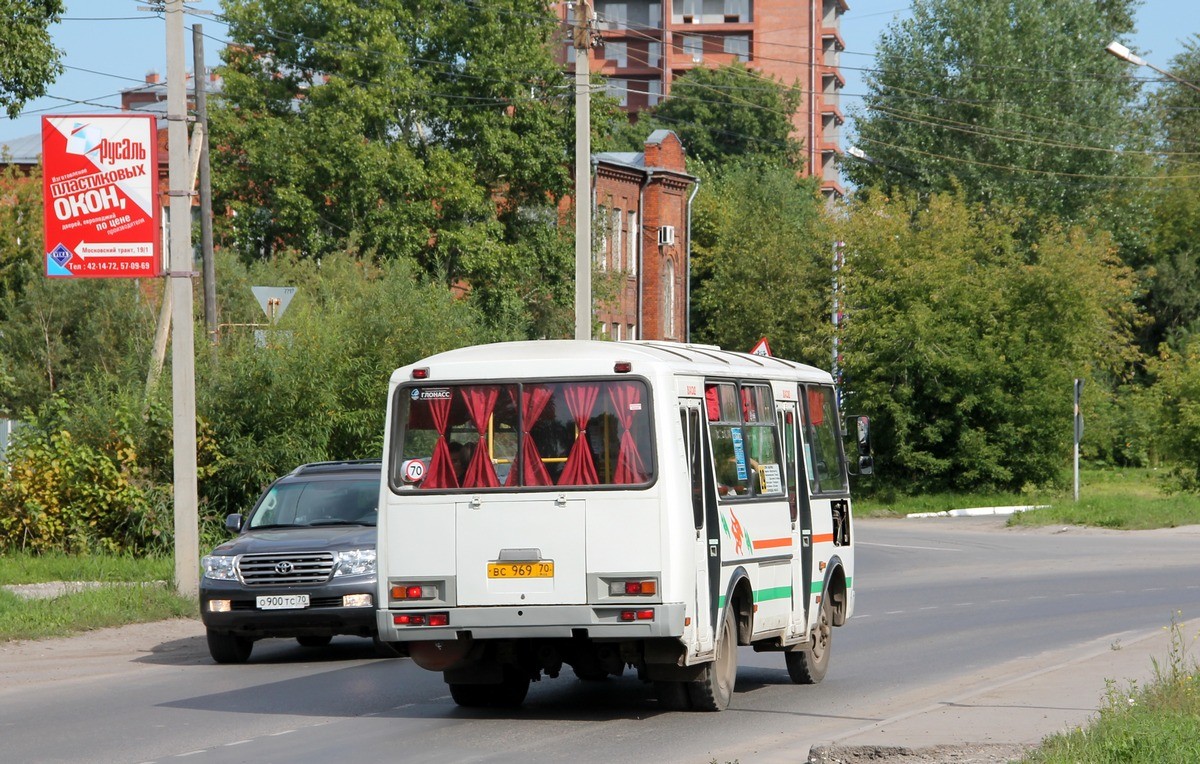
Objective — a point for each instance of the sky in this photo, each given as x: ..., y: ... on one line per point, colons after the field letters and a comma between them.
x: 110, y: 45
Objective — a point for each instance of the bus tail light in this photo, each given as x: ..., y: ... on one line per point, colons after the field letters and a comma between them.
x: 402, y: 591
x: 421, y: 619
x: 637, y: 615
x: 645, y: 587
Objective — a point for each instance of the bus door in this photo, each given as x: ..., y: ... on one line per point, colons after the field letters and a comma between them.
x: 825, y: 469
x: 801, y: 512
x: 707, y: 539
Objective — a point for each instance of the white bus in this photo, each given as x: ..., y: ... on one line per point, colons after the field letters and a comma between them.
x: 606, y: 505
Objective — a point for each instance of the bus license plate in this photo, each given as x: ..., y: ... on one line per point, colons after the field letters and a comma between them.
x: 283, y: 602
x: 540, y: 569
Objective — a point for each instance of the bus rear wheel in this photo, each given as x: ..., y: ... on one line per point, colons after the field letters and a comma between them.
x: 807, y: 664
x: 713, y: 691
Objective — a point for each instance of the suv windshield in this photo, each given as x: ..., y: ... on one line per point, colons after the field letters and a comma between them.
x: 318, y: 502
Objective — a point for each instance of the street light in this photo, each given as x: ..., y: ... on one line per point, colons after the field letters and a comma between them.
x: 1125, y: 54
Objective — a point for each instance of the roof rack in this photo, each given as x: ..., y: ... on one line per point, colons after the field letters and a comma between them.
x: 332, y: 465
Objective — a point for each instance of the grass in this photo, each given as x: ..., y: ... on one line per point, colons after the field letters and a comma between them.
x: 149, y: 600
x: 1159, y: 722
x: 1129, y: 499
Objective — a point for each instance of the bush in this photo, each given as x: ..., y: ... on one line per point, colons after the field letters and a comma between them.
x: 62, y: 492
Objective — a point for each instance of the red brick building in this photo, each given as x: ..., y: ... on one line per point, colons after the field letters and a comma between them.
x: 645, y: 44
x: 642, y: 217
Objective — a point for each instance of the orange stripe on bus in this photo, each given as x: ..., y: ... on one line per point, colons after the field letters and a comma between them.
x: 817, y: 539
x: 773, y: 543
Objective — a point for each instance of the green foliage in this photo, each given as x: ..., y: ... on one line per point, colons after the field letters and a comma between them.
x: 1148, y: 724
x: 728, y: 113
x: 962, y: 342
x: 760, y: 261
x: 1174, y: 289
x: 90, y: 609
x: 24, y: 568
x: 317, y: 390
x: 1013, y: 100
x: 58, y: 332
x: 401, y: 129
x: 79, y: 492
x: 28, y: 59
x: 1177, y: 387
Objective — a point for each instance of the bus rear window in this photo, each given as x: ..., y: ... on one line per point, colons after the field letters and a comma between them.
x: 531, y: 435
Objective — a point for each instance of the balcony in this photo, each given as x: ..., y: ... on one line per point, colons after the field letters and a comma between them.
x: 712, y: 12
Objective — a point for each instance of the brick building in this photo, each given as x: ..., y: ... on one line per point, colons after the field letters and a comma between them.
x: 642, y: 216
x: 645, y: 44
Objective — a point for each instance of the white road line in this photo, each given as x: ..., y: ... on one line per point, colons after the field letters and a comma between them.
x: 905, y: 546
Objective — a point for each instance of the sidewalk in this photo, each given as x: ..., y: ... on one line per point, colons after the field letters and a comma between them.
x: 1013, y: 707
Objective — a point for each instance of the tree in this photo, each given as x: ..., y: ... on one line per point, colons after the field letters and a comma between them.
x: 314, y: 386
x: 761, y: 261
x: 1006, y: 99
x: 406, y: 128
x: 961, y: 340
x: 725, y: 113
x: 28, y: 59
x: 1174, y: 286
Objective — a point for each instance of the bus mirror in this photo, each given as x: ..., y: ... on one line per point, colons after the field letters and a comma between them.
x: 863, y: 432
x: 862, y: 438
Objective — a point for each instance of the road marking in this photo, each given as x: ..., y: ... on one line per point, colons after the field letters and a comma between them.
x: 237, y: 742
x: 906, y: 546
x: 930, y: 607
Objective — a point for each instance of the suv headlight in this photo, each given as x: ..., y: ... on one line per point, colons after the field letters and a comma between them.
x: 355, y: 562
x: 219, y: 567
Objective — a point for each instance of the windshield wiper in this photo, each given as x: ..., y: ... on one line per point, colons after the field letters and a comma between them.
x: 315, y: 523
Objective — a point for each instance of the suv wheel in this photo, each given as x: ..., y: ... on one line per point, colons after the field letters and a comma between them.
x: 229, y: 648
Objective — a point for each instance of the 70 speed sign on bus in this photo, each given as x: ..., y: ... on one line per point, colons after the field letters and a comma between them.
x: 101, y: 196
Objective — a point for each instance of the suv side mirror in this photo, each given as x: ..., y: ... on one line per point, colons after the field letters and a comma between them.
x: 233, y: 523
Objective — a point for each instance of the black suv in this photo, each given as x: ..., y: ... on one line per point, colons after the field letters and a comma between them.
x: 302, y: 564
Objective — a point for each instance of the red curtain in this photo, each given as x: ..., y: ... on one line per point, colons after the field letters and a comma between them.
x: 481, y: 402
x: 816, y: 406
x: 441, y: 471
x: 530, y: 470
x: 712, y: 403
x: 627, y: 402
x: 580, y: 468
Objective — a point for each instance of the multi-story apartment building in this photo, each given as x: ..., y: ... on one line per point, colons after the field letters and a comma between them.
x: 643, y: 45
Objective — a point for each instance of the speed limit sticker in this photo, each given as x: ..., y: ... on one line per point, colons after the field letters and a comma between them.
x: 414, y: 470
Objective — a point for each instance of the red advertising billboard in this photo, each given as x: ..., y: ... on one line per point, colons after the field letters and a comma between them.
x: 101, y: 196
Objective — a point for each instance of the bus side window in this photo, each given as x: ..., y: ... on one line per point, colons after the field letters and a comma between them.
x: 690, y: 420
x: 787, y: 428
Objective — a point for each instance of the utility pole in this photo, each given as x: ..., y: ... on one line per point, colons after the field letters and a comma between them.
x: 206, y: 242
x: 583, y: 170
x: 183, y: 352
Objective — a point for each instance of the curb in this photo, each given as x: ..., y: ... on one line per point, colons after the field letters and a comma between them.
x: 979, y: 511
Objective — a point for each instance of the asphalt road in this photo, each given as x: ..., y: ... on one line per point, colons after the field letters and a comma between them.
x: 943, y: 605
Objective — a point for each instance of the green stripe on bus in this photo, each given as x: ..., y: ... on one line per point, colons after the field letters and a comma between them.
x: 776, y: 593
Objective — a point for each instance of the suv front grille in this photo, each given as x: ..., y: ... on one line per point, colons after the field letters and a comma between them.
x: 285, y: 569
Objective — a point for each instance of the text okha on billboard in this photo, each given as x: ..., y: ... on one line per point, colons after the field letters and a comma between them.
x: 101, y: 196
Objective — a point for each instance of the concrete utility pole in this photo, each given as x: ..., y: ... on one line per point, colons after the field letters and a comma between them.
x: 583, y: 170
x: 183, y: 353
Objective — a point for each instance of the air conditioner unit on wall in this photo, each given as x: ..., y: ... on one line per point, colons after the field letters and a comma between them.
x: 666, y: 236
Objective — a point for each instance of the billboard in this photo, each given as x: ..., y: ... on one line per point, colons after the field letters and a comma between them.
x: 100, y: 190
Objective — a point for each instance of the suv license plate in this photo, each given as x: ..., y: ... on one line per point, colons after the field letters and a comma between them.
x: 283, y: 602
